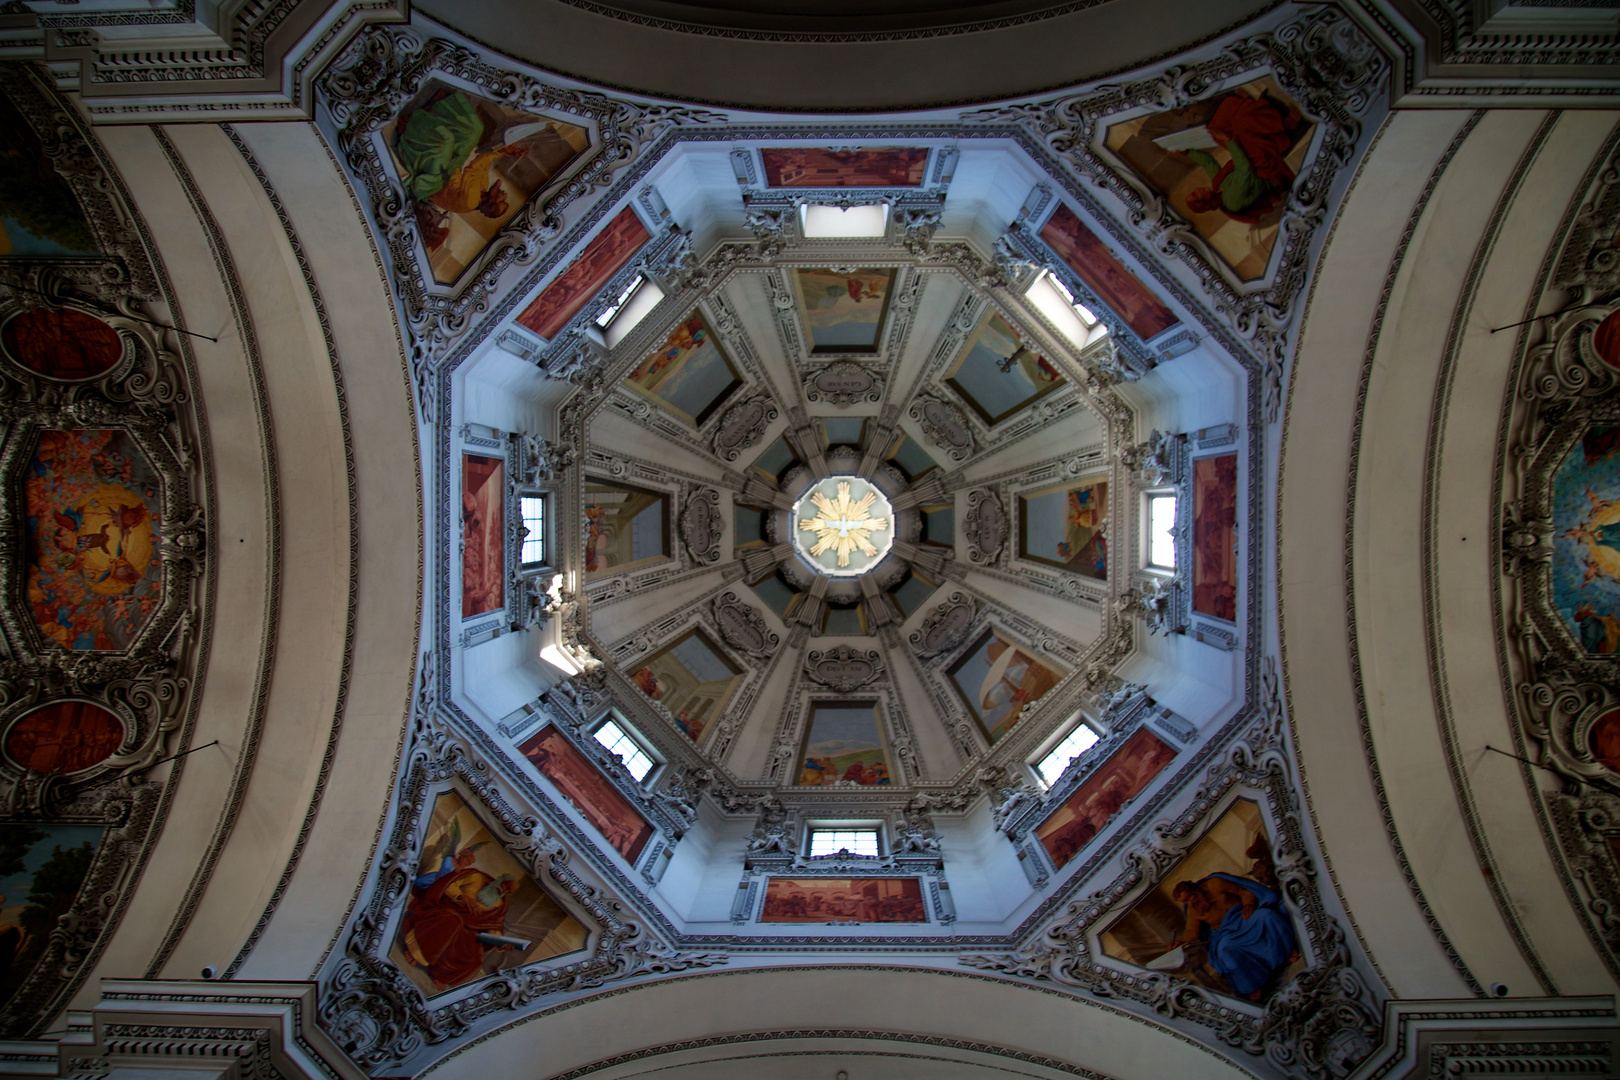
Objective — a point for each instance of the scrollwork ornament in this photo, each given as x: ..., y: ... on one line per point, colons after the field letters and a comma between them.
x: 743, y: 627
x: 842, y: 384
x: 985, y: 526
x: 844, y: 668
x: 945, y: 627
x: 702, y: 526
x: 944, y: 425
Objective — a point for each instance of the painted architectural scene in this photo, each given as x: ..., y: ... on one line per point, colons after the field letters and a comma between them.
x: 689, y: 374
x: 62, y: 343
x: 42, y: 866
x: 821, y: 167
x: 1586, y: 541
x: 843, y: 900
x: 1218, y: 917
x: 998, y: 680
x: 1066, y: 527
x: 1088, y: 256
x: 844, y: 744
x: 64, y: 737
x: 843, y: 310
x: 94, y: 530
x: 583, y: 278
x: 609, y: 812
x: 624, y: 526
x: 692, y: 678
x: 1603, y: 740
x: 997, y: 374
x: 472, y: 909
x: 1117, y: 781
x: 469, y: 164
x: 39, y: 215
x: 1214, y: 539
x: 1227, y: 165
x: 483, y: 534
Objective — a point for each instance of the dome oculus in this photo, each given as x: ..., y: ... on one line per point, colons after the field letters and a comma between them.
x: 843, y: 525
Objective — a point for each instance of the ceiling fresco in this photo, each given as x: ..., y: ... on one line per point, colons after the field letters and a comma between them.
x: 848, y: 530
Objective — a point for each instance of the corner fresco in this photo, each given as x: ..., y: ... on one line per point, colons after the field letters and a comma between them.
x: 469, y: 164
x: 93, y: 534
x: 41, y: 868
x: 1218, y: 918
x: 1586, y: 541
x: 1226, y: 164
x: 473, y: 910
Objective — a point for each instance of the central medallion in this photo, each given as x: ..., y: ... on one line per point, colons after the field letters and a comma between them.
x: 843, y: 525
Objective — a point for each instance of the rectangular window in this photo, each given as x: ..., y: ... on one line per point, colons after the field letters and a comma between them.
x: 1077, y: 742
x: 1073, y: 320
x: 820, y: 221
x: 854, y: 841
x: 612, y: 736
x: 1162, y: 531
x: 534, y: 524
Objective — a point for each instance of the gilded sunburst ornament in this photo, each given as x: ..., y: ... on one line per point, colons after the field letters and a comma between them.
x: 845, y: 524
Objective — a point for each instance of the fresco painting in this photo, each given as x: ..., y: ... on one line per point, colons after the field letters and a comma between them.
x: 609, y: 812
x: 41, y: 868
x: 1586, y: 540
x: 693, y: 680
x: 1106, y: 276
x: 1218, y: 917
x: 860, y: 900
x: 1214, y: 539
x: 1067, y: 528
x: 469, y: 164
x: 583, y: 278
x: 483, y: 534
x: 1603, y: 740
x: 39, y: 215
x: 1606, y: 339
x: 62, y: 343
x: 94, y: 530
x: 689, y: 374
x: 624, y: 526
x: 472, y: 909
x: 998, y: 680
x: 1226, y: 164
x: 817, y: 167
x: 1103, y: 794
x: 843, y: 311
x: 997, y: 374
x: 64, y: 737
x: 844, y: 745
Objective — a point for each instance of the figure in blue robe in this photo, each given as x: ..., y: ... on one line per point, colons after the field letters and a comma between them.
x: 1248, y: 935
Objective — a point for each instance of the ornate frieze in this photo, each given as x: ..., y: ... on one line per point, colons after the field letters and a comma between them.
x: 702, y: 526
x: 843, y: 383
x: 944, y: 425
x: 985, y: 526
x: 844, y: 668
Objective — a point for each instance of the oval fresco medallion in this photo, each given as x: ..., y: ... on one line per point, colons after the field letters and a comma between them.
x: 1606, y: 339
x: 94, y: 528
x: 1604, y: 740
x: 1586, y: 540
x: 62, y: 343
x: 64, y: 737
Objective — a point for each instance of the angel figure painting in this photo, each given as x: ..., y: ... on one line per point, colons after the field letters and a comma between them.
x: 998, y: 374
x: 999, y: 680
x: 469, y: 164
x: 1227, y: 164
x: 472, y: 909
x: 1066, y: 527
x: 1586, y: 541
x: 1218, y: 918
x: 689, y: 374
x: 843, y: 310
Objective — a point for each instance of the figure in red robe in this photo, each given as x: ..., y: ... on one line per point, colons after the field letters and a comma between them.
x: 444, y: 920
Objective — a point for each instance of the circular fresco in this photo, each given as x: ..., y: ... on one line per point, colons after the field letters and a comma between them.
x: 843, y: 525
x: 63, y: 343
x: 64, y: 737
x: 1604, y: 740
x: 1606, y: 339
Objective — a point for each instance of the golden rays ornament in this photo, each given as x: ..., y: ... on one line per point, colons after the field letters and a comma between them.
x: 845, y: 525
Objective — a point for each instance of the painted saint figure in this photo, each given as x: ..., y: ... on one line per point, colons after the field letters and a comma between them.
x: 1257, y: 133
x: 1242, y: 924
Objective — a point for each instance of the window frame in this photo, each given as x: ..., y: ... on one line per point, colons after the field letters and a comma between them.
x: 525, y: 568
x: 1148, y: 499
x: 1051, y: 746
x: 636, y: 739
x: 861, y: 826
